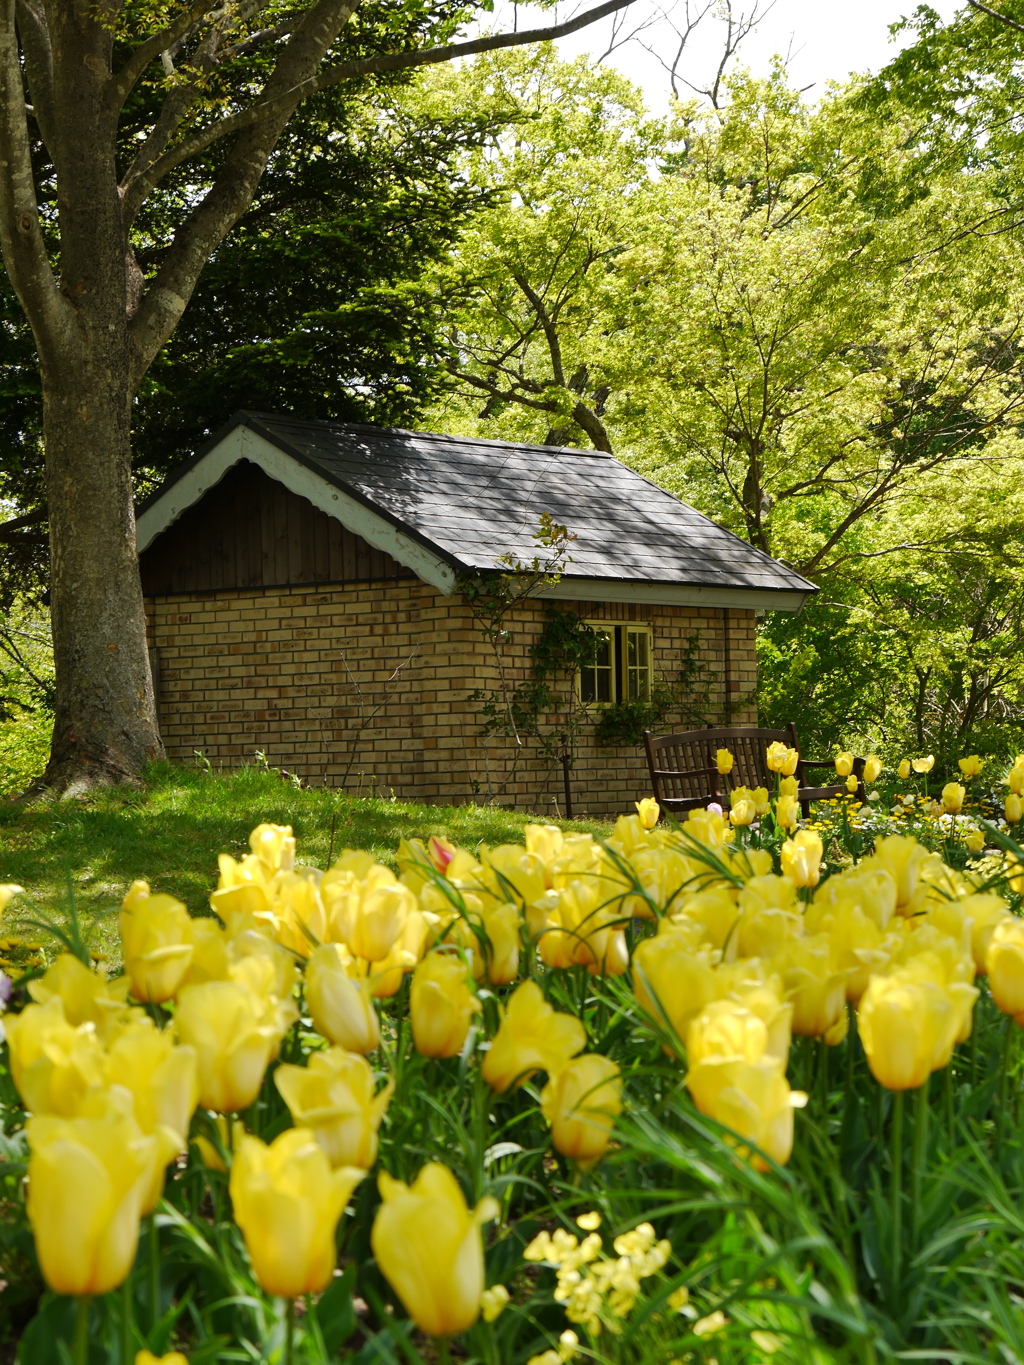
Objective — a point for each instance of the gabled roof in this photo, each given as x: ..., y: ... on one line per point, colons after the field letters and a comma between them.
x: 449, y: 505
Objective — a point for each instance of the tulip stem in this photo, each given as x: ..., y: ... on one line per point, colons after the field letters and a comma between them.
x: 126, y: 1321
x: 444, y: 1355
x: 154, y: 1271
x: 289, y: 1332
x: 897, y: 1192
x: 920, y: 1156
x: 81, y: 1345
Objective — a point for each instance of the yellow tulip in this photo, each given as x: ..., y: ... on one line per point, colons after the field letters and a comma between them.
x: 789, y: 786
x: 672, y: 984
x: 340, y: 1006
x: 751, y: 1098
x: 250, y: 938
x: 844, y: 763
x: 85, y: 995
x: 909, y: 1024
x: 970, y: 766
x: 274, y: 846
x: 210, y: 953
x: 86, y: 1181
x: 510, y: 870
x: 164, y: 1083
x: 287, y: 1201
x: 903, y: 771
x: 334, y: 1097
x: 428, y: 1247
x: 499, y: 943
x: 743, y: 813
x: 923, y: 765
x: 714, y: 910
x: 649, y: 811
x: 858, y: 944
x: 581, y: 1103
x: 1013, y: 808
x: 383, y: 909
x: 869, y: 885
x: 148, y: 1358
x: 787, y: 812
x: 710, y: 828
x: 872, y: 769
x: 1015, y: 781
x: 1004, y: 962
x: 583, y: 927
x: 905, y: 860
x: 815, y: 986
x: 532, y: 1037
x: 723, y: 1029
x: 953, y: 797
x: 156, y: 932
x: 53, y: 1065
x: 724, y: 762
x: 801, y: 857
x: 781, y: 759
x: 8, y: 890
x: 299, y: 918
x: 441, y: 1005
x: 225, y: 1022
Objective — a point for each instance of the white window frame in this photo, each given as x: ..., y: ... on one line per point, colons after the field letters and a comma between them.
x: 618, y: 669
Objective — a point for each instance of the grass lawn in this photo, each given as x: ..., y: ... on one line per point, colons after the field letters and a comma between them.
x: 171, y: 832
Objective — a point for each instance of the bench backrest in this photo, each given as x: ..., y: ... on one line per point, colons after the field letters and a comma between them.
x: 683, y: 766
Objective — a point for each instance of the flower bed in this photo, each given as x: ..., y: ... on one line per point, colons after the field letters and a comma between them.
x: 633, y: 1100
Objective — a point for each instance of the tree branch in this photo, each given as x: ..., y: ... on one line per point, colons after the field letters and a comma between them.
x: 367, y: 66
x: 123, y: 82
x: 21, y: 237
x: 994, y: 14
x: 9, y: 529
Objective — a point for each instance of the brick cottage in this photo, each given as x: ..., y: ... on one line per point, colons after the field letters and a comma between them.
x: 303, y: 585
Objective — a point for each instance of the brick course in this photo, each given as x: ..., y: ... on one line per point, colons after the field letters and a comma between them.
x: 365, y: 686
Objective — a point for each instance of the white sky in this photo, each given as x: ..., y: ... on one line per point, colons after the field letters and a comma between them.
x: 825, y: 40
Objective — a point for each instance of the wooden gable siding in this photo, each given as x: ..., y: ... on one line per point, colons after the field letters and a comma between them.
x: 249, y: 531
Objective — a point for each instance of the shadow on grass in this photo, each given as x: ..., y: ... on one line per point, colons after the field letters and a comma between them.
x: 171, y: 832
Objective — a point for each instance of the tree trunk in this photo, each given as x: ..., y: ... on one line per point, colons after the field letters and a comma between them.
x: 105, y: 727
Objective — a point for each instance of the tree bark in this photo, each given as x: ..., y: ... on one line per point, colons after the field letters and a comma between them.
x: 105, y: 726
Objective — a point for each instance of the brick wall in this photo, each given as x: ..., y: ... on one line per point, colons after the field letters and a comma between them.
x: 365, y: 686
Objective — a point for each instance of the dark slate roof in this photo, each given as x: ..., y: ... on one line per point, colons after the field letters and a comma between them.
x: 473, y: 500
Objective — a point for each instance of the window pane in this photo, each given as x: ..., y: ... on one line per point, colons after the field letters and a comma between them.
x: 596, y: 681
x: 638, y: 665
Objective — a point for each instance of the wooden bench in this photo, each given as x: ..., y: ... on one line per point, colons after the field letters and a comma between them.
x: 685, y: 776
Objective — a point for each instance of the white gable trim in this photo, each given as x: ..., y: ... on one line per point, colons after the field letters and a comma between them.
x: 672, y: 595
x: 244, y: 444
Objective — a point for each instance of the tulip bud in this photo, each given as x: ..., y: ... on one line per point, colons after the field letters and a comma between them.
x: 801, y: 857
x: 872, y: 769
x: 953, y: 797
x: 287, y: 1201
x: 340, y: 1006
x: 724, y: 762
x: 904, y: 769
x: 86, y: 1181
x: 383, y: 909
x: 671, y: 982
x: 649, y: 811
x: 581, y: 1103
x: 1004, y: 961
x: 225, y: 1022
x: 851, y: 785
x: 157, y: 935
x: 787, y: 812
x: 428, y: 1247
x: 844, y: 764
x: 909, y: 1024
x: 1015, y: 779
x: 441, y: 1006
x: 274, y: 846
x: 532, y: 1037
x: 1013, y: 808
x: 970, y: 766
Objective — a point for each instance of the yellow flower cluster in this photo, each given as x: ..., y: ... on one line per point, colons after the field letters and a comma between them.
x: 598, y: 1290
